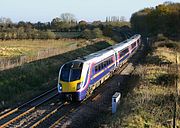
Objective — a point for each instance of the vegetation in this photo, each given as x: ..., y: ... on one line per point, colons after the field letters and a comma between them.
x: 92, y: 34
x: 22, y: 83
x: 163, y: 19
x: 148, y: 101
x: 13, y: 48
x: 65, y: 26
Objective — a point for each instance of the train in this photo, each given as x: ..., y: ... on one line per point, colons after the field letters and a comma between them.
x: 79, y: 78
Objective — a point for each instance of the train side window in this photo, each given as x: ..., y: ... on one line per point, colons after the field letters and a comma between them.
x: 102, y: 66
x: 99, y: 67
x: 119, y: 54
x: 104, y: 63
x: 125, y: 51
x: 109, y: 61
x: 133, y: 45
x: 96, y: 68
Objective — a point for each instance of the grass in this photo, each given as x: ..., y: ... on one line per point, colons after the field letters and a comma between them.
x: 24, y: 82
x: 150, y: 103
x: 14, y: 48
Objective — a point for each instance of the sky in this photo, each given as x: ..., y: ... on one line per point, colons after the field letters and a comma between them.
x: 88, y: 10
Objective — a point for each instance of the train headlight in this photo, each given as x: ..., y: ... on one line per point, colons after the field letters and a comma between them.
x: 59, y: 87
x: 79, y: 85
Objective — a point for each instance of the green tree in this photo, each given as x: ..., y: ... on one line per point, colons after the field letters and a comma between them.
x: 82, y: 25
x: 163, y: 19
x: 50, y: 35
x: 87, y: 34
x: 97, y: 33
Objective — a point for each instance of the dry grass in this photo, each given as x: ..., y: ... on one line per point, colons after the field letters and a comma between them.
x: 150, y: 104
x: 166, y: 54
x: 10, y: 51
x: 30, y: 47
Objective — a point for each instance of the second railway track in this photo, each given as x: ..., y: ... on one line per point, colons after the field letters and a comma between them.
x: 26, y: 108
x: 34, y: 117
x: 52, y: 117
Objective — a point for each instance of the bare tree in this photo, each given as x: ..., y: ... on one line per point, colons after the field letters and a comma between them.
x: 68, y: 17
x: 122, y: 18
x: 4, y: 20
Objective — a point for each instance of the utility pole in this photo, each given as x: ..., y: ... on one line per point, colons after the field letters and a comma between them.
x: 176, y: 92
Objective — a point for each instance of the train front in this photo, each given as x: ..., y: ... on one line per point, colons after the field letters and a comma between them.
x: 71, y: 81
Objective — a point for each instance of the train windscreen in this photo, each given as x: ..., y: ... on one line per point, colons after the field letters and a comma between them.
x: 71, y: 71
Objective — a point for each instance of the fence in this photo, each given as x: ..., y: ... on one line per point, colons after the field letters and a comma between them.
x: 6, y: 63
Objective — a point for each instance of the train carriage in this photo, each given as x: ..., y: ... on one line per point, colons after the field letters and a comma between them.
x: 78, y: 78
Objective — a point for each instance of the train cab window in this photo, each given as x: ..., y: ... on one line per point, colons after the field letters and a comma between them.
x: 71, y: 71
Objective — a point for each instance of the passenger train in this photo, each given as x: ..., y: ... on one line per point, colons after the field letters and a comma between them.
x: 78, y: 78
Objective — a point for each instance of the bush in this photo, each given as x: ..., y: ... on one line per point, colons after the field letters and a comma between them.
x: 161, y: 37
x: 168, y: 45
x: 87, y: 34
x: 92, y: 34
x: 97, y: 33
x: 50, y: 35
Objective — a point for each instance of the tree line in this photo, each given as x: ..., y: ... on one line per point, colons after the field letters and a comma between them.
x: 163, y: 19
x: 65, y: 23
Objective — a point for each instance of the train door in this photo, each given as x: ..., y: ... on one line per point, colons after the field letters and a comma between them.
x: 117, y: 61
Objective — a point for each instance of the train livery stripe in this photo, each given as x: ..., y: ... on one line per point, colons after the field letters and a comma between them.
x: 102, y: 71
x: 89, y: 78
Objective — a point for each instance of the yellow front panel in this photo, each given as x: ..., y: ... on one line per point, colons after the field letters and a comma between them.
x: 69, y: 86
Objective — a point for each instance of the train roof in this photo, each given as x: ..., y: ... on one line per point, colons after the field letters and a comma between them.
x: 99, y: 53
x: 109, y: 50
x: 125, y: 43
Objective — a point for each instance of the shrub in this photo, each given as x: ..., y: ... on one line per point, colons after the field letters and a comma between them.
x: 97, y: 33
x: 161, y: 37
x: 92, y: 34
x: 87, y: 34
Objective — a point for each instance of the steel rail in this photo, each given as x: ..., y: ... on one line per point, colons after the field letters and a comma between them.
x: 120, y: 69
x: 57, y: 122
x: 26, y: 112
x: 48, y: 115
x: 16, y: 109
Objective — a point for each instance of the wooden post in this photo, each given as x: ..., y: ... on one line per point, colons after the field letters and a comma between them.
x: 176, y: 92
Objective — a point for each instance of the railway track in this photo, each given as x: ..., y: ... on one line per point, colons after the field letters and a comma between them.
x: 53, y: 117
x: 49, y: 114
x: 97, y: 93
x: 60, y: 120
x: 95, y: 103
x: 18, y: 113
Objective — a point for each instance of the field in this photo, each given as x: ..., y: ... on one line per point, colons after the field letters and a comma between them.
x: 151, y: 91
x: 16, y: 52
x: 30, y: 47
x: 21, y: 83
